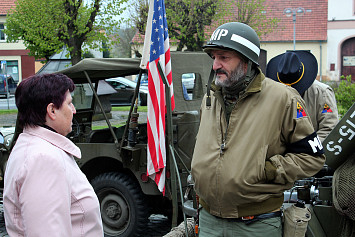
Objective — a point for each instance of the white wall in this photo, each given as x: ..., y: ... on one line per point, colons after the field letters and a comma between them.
x: 318, y: 49
x: 341, y: 26
x: 341, y: 10
x: 10, y: 46
x: 335, y: 39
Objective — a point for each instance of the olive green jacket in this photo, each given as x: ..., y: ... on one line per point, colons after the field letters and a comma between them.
x: 242, y: 168
x: 322, y: 108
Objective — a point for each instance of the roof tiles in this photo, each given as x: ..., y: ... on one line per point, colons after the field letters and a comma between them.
x: 5, y: 6
x: 312, y: 26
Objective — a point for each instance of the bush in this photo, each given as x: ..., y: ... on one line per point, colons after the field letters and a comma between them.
x: 345, y: 94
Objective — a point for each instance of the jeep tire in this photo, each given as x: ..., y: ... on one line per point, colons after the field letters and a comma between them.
x: 123, y: 209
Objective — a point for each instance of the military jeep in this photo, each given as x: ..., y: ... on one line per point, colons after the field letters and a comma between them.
x: 114, y: 159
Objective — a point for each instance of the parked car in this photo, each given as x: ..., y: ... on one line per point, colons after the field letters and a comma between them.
x: 125, y: 91
x: 144, y: 79
x: 12, y: 85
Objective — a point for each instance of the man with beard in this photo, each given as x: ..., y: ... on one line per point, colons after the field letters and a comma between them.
x: 255, y: 139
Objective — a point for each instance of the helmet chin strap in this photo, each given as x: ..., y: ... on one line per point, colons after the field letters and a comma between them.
x: 210, y: 79
x: 249, y: 74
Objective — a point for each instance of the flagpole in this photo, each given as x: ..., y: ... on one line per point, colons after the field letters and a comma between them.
x: 173, y: 163
x: 161, y: 102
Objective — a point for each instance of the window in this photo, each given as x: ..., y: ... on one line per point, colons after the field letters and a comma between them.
x: 82, y: 96
x: 191, y: 86
x: 2, y: 34
x: 11, y: 69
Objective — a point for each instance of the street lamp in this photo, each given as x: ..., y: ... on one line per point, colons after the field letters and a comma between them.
x: 293, y: 12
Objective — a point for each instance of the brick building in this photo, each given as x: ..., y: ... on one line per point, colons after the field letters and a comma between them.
x: 19, y: 64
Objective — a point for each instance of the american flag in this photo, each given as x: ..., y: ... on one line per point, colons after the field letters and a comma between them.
x: 157, y: 51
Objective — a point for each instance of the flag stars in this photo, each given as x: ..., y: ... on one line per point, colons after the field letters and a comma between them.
x: 158, y: 53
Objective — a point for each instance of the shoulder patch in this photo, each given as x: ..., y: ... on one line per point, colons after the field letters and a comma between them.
x: 326, y: 109
x: 300, y: 111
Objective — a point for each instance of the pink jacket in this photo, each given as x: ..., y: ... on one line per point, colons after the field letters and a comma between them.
x: 45, y: 192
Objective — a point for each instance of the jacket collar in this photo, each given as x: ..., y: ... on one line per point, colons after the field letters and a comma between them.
x: 255, y: 84
x: 54, y: 138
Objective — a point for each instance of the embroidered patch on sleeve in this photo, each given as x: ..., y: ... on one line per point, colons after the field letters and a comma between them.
x: 300, y: 111
x: 326, y: 109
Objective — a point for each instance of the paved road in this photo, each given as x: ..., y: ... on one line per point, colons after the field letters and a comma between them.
x: 8, y: 103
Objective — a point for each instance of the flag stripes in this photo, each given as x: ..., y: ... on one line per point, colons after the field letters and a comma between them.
x: 157, y: 39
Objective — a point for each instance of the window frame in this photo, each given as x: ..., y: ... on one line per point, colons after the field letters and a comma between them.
x: 2, y: 30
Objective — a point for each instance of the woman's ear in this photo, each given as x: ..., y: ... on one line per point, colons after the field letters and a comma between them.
x: 51, y: 111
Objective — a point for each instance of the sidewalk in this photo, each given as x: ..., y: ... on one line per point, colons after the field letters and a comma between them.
x: 8, y: 120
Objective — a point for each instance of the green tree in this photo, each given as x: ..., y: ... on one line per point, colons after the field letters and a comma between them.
x: 251, y: 12
x: 47, y: 26
x: 124, y: 48
x: 188, y: 19
x: 345, y: 94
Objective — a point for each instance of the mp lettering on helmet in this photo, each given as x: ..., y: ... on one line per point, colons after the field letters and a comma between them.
x: 217, y: 34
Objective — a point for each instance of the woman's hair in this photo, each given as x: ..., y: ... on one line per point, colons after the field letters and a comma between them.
x: 34, y: 93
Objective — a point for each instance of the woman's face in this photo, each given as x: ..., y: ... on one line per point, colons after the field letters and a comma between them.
x: 65, y: 115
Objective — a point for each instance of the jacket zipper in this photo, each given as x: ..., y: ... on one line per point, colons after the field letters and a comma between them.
x: 224, y: 138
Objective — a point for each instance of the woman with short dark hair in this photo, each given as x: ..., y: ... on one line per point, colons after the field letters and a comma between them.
x: 45, y: 192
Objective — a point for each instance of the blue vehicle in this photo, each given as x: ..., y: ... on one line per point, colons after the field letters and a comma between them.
x: 10, y: 83
x: 144, y: 79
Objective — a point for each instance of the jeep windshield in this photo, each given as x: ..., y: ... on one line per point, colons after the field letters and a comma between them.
x: 82, y: 96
